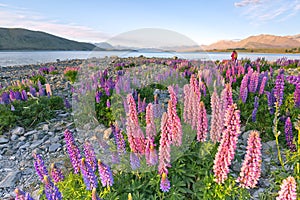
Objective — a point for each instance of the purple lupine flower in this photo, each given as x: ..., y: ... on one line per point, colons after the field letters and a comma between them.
x: 20, y: 195
x: 51, y: 191
x: 90, y: 155
x: 134, y: 161
x: 297, y: 95
x: 24, y: 95
x: 56, y: 173
x: 95, y: 195
x: 139, y: 106
x: 271, y: 101
x: 73, y: 151
x: 288, y: 189
x: 164, y: 146
x: 251, y: 167
x: 226, y: 149
x: 202, y: 125
x: 226, y: 97
x: 18, y: 95
x: 105, y: 173
x: 5, y: 98
x: 150, y: 125
x: 108, y: 103
x: 165, y: 183
x: 32, y: 91
x: 89, y: 177
x: 40, y: 167
x: 254, y: 112
x: 288, y: 130
x: 119, y: 139
x: 279, y: 88
x: 253, y: 82
x: 67, y: 103
x: 244, y: 89
x: 12, y: 95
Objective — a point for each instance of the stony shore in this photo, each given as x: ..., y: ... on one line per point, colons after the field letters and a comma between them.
x: 17, y: 145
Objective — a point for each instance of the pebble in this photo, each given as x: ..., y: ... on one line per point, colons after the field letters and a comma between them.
x: 3, y: 140
x: 18, y: 131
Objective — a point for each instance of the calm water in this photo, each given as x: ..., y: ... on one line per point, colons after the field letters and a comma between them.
x: 11, y: 58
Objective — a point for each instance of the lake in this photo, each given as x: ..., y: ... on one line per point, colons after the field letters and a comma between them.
x: 12, y: 58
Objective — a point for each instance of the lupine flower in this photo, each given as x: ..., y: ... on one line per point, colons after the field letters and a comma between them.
x: 165, y: 183
x: 174, y: 124
x: 108, y: 103
x: 288, y: 189
x: 134, y: 161
x: 288, y: 130
x: 135, y: 134
x: 279, y: 88
x: 186, y: 93
x: 73, y: 151
x: 297, y: 95
x: 244, y: 89
x: 5, y: 98
x: 254, y: 112
x: 12, y: 95
x: 32, y: 90
x: 105, y: 174
x: 150, y: 126
x: 226, y: 149
x: 251, y: 167
x: 51, y: 191
x: 262, y: 85
x: 271, y: 101
x: 88, y: 175
x: 226, y: 97
x: 20, y: 195
x: 216, y: 127
x: 202, y: 125
x: 90, y: 155
x: 18, y: 95
x: 56, y: 173
x: 95, y: 195
x: 164, y: 147
x: 253, y: 82
x: 67, y: 103
x: 24, y: 95
x: 119, y: 139
x: 40, y: 167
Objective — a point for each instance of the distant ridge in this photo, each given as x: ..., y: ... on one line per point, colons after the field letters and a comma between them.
x: 263, y: 41
x: 23, y: 39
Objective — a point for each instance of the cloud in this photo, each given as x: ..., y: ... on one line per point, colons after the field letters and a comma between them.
x: 261, y: 11
x: 245, y: 3
x: 12, y: 17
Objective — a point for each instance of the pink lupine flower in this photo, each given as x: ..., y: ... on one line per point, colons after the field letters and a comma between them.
x: 262, y: 85
x: 227, y: 147
x: 186, y: 93
x: 226, y: 97
x: 250, y: 171
x: 202, y: 125
x: 174, y: 124
x: 164, y: 158
x: 288, y: 189
x: 150, y: 152
x: 135, y: 134
x: 216, y: 127
x: 150, y: 126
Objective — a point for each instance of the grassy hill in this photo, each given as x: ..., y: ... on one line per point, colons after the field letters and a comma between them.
x: 23, y: 39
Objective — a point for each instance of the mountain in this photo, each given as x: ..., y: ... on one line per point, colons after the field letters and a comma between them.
x: 262, y: 41
x: 23, y: 39
x: 105, y: 45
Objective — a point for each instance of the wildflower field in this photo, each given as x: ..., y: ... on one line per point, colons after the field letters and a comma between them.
x: 180, y: 129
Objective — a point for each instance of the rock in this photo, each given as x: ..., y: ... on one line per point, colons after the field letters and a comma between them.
x: 10, y: 179
x: 45, y: 127
x: 245, y: 136
x: 54, y: 147
x: 257, y: 192
x: 3, y: 140
x: 18, y: 131
x: 22, y: 138
x: 107, y: 133
x: 36, y: 143
x: 14, y: 137
x: 30, y: 133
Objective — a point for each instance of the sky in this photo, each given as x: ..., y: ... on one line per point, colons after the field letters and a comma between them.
x: 202, y: 21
